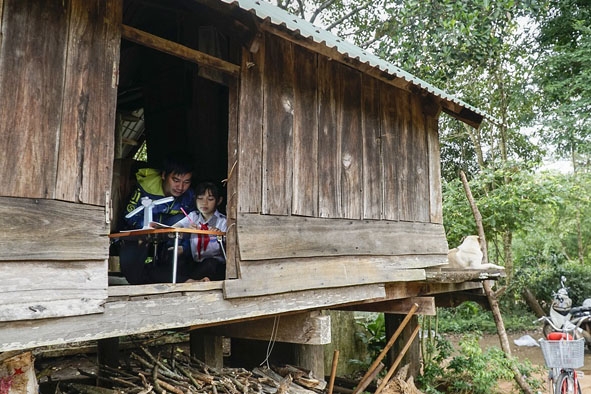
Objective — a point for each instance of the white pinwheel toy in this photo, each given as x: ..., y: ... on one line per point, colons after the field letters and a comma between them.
x: 147, y: 205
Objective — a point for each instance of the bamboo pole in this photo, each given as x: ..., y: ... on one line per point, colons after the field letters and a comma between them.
x: 397, y: 361
x: 366, y: 380
x: 333, y: 370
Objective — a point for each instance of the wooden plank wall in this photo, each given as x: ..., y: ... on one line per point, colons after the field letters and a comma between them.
x: 58, y: 69
x: 330, y: 141
x: 343, y: 195
x: 52, y: 259
x: 58, y: 87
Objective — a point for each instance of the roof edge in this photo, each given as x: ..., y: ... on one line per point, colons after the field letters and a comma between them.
x: 299, y: 28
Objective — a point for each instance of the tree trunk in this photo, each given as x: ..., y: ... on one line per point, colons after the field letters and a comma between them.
x: 477, y: 217
x: 490, y: 294
x: 533, y: 303
x: 508, y: 254
x: 494, y: 306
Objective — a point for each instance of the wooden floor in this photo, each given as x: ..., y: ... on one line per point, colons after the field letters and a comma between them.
x: 145, y: 308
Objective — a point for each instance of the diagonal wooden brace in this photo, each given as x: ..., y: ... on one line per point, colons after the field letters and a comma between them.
x: 366, y: 380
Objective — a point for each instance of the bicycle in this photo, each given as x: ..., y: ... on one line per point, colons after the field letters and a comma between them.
x: 563, y: 353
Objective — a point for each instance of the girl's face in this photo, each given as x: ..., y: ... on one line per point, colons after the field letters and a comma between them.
x: 207, y: 204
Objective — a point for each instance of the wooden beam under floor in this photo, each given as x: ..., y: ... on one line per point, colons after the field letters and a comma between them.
x: 399, y: 307
x: 308, y: 328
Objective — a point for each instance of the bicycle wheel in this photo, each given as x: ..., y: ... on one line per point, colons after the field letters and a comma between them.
x: 565, y: 384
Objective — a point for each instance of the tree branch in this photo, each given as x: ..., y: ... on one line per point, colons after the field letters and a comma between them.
x: 347, y: 16
x: 490, y: 294
x: 321, y: 8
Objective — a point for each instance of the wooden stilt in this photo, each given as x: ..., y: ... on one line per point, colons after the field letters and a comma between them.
x: 365, y: 381
x: 397, y: 361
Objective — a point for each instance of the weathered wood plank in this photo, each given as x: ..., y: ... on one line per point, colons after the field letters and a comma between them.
x: 414, y: 289
x: 71, y: 277
x: 250, y: 131
x: 232, y: 260
x: 294, y: 236
x: 404, y: 154
x: 32, y: 57
x: 390, y: 158
x: 90, y: 302
x: 178, y: 50
x: 207, y: 348
x: 131, y: 291
x: 435, y: 196
x: 329, y: 180
x: 335, y: 55
x: 461, y: 113
x: 305, y: 145
x: 401, y: 306
x: 446, y: 274
x: 51, y: 230
x: 172, y: 311
x: 86, y: 137
x: 102, y: 61
x: 372, y: 152
x: 419, y: 163
x: 282, y: 277
x: 51, y: 289
x: 278, y: 127
x: 303, y: 328
x: 349, y: 122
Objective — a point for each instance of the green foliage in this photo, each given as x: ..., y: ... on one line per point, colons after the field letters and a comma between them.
x: 544, y: 279
x: 508, y: 198
x: 436, y: 351
x: 471, y: 317
x: 564, y: 78
x: 469, y: 369
x: 445, y: 369
x: 372, y: 334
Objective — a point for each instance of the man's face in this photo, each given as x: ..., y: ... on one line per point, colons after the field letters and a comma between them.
x: 175, y: 184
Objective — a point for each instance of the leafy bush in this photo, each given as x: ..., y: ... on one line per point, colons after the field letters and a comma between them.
x: 471, y: 370
x: 544, y: 279
x: 372, y: 334
x: 471, y: 317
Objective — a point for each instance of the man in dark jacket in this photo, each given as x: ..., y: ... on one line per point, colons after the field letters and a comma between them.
x: 140, y: 262
x: 174, y: 180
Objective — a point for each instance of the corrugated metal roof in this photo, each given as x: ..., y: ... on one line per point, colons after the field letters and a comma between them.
x: 280, y: 17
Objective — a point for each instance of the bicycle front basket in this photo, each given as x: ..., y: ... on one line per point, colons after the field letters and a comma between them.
x: 564, y: 353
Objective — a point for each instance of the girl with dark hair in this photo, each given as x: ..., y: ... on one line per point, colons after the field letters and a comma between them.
x: 206, y: 250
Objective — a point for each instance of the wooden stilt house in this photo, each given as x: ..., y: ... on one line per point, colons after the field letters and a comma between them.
x: 331, y: 157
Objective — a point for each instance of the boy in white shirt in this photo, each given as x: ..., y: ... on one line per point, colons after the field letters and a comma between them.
x: 207, y: 253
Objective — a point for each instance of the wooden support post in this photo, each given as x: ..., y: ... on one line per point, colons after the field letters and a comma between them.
x: 207, y: 348
x: 412, y: 358
x: 310, y: 357
x: 365, y: 381
x: 107, y: 351
x: 308, y: 328
x: 396, y: 362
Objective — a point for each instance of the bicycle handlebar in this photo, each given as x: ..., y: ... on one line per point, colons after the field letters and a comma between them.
x: 575, y: 326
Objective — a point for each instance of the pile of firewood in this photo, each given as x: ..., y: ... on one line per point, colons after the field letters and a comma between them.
x: 179, y: 373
